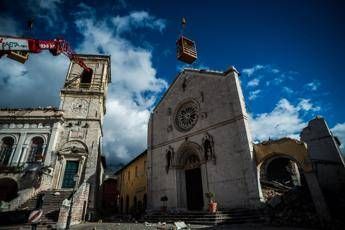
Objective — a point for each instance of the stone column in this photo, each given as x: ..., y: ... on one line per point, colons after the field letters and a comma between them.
x: 52, y: 140
x: 317, y: 197
x: 18, y: 149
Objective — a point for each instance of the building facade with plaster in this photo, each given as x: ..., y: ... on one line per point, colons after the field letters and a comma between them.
x: 60, y: 148
x: 132, y: 186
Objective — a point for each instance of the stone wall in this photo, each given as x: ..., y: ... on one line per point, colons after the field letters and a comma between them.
x: 80, y: 201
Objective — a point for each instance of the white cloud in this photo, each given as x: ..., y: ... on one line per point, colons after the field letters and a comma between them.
x: 252, y: 70
x: 48, y: 11
x: 137, y: 19
x: 275, y: 70
x: 266, y: 68
x: 306, y: 105
x: 287, y: 90
x: 339, y: 131
x: 278, y: 80
x: 284, y: 120
x: 254, y: 94
x: 313, y: 86
x: 253, y: 83
x: 134, y: 87
x: 37, y: 83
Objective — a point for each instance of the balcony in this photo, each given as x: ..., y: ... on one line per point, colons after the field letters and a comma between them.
x: 11, y: 169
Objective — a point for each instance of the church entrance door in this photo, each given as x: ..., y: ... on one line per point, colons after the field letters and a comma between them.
x: 195, y: 199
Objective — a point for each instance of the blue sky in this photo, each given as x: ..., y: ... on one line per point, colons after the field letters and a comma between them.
x: 290, y: 55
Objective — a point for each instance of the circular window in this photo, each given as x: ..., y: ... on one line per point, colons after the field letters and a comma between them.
x: 187, y: 116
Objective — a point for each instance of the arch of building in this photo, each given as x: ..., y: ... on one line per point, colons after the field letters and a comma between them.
x: 74, y: 146
x: 187, y: 149
x: 189, y: 158
x: 297, y: 152
x: 8, y: 189
x: 286, y: 147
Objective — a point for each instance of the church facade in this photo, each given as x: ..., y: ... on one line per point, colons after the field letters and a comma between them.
x: 199, y: 142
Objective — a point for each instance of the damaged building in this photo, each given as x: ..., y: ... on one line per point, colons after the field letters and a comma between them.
x: 56, y: 152
x: 303, y: 182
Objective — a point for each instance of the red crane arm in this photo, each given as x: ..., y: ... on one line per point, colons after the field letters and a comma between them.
x: 55, y: 46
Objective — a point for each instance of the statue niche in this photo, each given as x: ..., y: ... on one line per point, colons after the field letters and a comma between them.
x: 208, y: 147
x: 169, y: 158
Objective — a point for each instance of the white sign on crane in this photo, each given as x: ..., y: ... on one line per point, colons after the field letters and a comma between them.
x: 7, y: 43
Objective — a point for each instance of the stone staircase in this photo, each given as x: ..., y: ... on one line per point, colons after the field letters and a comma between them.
x: 236, y: 216
x: 51, y: 205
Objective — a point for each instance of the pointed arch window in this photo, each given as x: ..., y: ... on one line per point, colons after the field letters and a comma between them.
x: 6, y: 150
x: 36, y: 150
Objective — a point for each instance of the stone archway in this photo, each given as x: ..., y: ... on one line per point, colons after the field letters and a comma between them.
x: 191, y: 178
x: 8, y: 189
x: 294, y: 153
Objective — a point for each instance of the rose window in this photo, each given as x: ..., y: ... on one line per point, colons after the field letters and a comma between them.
x: 186, y: 116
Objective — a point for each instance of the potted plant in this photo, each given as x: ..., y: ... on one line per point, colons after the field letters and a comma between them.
x: 212, y: 205
x: 164, y: 199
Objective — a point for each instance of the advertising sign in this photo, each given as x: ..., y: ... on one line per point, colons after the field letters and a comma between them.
x: 13, y: 44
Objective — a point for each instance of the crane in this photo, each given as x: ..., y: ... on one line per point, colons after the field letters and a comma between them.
x: 18, y: 48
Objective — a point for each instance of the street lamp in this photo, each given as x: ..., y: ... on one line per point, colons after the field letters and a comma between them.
x: 75, y: 179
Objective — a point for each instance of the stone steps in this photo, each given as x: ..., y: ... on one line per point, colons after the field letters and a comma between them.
x: 51, y: 205
x: 222, y: 217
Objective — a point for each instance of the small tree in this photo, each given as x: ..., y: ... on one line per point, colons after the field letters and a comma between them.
x: 210, y: 196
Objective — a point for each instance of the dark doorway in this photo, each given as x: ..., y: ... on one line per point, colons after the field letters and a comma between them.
x: 8, y: 189
x: 195, y: 200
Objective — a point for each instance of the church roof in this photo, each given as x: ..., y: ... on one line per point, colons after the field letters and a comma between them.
x: 202, y: 71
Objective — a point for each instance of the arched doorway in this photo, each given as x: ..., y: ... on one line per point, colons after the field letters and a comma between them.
x: 194, y: 191
x: 279, y: 174
x: 283, y: 170
x: 8, y: 189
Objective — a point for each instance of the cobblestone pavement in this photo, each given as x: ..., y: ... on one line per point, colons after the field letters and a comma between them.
x: 139, y: 226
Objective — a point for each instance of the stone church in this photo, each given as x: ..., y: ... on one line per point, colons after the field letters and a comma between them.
x: 55, y: 151
x: 199, y: 142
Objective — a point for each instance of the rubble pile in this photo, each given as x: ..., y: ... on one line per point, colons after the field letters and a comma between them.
x: 290, y: 207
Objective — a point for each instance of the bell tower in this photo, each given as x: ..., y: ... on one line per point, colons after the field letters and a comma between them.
x: 84, y: 92
x: 79, y: 147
